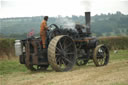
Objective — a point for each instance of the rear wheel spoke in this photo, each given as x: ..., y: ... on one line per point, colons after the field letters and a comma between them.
x: 58, y: 49
x: 70, y: 53
x: 63, y: 62
x: 60, y: 46
x: 67, y: 60
x: 68, y: 46
x: 59, y: 61
x: 58, y: 54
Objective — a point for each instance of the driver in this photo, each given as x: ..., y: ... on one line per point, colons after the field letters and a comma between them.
x: 43, y: 30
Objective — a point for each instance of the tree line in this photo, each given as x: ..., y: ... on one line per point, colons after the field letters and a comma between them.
x: 101, y: 25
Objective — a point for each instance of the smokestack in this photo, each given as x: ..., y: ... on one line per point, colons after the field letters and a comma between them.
x: 87, y: 22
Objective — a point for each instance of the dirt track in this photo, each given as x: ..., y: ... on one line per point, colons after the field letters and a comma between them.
x: 115, y: 73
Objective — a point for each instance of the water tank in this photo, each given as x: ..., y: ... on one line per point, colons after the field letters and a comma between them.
x: 18, y: 50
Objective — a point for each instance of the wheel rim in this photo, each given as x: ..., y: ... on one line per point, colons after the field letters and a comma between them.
x: 64, y: 54
x: 101, y: 55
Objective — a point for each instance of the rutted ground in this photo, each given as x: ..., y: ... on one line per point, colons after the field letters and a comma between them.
x: 115, y: 73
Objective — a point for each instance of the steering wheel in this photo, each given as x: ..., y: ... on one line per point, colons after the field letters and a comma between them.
x: 53, y: 31
x: 53, y: 26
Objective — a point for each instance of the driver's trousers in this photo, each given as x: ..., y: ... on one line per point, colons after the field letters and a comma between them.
x: 43, y: 37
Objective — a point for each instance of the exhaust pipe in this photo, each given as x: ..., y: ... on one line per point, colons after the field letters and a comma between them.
x: 87, y: 22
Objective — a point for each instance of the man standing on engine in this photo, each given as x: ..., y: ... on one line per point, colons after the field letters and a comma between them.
x: 43, y: 30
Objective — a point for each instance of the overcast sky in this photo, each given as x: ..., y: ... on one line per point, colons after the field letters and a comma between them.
x: 21, y: 8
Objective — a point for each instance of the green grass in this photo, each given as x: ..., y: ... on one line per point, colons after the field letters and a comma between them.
x: 120, y: 55
x: 12, y: 66
x: 119, y: 84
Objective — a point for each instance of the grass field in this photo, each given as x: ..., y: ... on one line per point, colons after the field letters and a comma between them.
x: 115, y: 73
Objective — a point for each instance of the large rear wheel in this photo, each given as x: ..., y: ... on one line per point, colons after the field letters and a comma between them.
x: 62, y: 53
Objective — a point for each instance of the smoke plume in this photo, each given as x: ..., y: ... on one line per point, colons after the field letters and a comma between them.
x: 86, y: 5
x: 66, y: 22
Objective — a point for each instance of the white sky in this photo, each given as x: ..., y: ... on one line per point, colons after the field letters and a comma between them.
x: 21, y: 8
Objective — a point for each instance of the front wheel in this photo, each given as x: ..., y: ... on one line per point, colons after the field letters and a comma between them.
x: 101, y: 55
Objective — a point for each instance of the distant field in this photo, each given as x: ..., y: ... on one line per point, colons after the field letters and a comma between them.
x: 115, y: 73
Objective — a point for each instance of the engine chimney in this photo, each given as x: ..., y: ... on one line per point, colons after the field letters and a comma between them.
x: 87, y: 22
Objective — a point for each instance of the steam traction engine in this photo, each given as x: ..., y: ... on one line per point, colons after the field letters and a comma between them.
x: 65, y: 48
